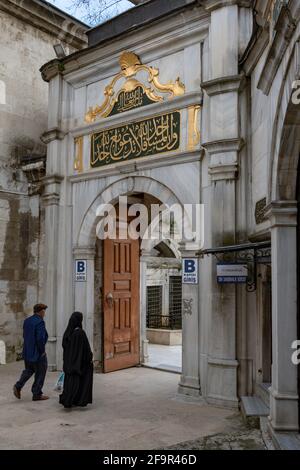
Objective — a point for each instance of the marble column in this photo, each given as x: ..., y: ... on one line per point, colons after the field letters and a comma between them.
x: 51, y: 198
x: 223, y: 144
x: 53, y: 183
x: 283, y: 392
x: 190, y: 383
x: 221, y: 375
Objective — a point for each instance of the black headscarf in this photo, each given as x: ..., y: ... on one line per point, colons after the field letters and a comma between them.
x: 74, y: 322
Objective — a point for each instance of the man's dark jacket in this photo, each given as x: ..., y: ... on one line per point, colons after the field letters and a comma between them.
x: 35, y: 338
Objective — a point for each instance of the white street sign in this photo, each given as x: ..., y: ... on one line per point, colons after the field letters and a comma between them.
x: 232, y: 273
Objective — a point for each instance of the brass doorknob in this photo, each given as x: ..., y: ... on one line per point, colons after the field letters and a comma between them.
x: 110, y: 299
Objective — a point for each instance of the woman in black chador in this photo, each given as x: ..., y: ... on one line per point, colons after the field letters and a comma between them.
x: 78, y: 365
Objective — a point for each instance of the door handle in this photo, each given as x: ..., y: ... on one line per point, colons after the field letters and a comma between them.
x: 110, y: 299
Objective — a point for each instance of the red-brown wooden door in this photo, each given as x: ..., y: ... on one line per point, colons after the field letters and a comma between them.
x: 121, y: 304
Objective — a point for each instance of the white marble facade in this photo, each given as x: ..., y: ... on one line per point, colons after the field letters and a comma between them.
x: 244, y: 104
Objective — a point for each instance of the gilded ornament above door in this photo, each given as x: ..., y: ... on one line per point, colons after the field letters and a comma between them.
x: 133, y: 92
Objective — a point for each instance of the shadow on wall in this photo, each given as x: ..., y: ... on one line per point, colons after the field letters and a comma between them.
x: 18, y: 268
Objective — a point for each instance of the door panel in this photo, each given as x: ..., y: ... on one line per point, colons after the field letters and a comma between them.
x: 121, y: 304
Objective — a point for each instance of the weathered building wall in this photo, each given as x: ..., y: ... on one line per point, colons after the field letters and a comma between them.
x: 24, y: 47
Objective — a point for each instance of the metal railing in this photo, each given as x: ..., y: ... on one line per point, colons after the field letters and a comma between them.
x: 155, y: 317
x: 164, y: 322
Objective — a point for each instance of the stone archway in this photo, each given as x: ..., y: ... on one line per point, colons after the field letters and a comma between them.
x: 284, y: 161
x: 282, y: 213
x: 85, y: 249
x: 134, y: 184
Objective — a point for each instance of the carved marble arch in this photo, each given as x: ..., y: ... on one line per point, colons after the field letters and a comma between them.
x: 266, y: 9
x: 285, y: 146
x: 131, y: 70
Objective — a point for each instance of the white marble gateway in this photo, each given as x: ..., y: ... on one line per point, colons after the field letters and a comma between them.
x: 188, y: 108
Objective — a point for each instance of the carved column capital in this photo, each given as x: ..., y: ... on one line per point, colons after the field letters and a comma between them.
x: 51, y: 194
x: 217, y: 86
x: 282, y: 213
x: 145, y: 253
x: 52, y: 134
x: 223, y: 167
x: 189, y: 249
x: 84, y: 252
x: 212, y: 5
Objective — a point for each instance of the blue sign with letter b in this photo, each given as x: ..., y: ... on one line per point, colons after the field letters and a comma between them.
x: 189, y: 266
x: 80, y: 267
x: 190, y: 271
x: 81, y: 271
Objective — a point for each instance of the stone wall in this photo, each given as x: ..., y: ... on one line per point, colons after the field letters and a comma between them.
x: 19, y: 245
x: 24, y: 47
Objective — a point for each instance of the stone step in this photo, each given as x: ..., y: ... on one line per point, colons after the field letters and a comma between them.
x: 262, y: 391
x: 252, y: 409
x: 163, y: 367
x: 285, y: 440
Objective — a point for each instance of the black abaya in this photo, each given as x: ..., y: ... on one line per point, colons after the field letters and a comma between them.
x: 78, y: 369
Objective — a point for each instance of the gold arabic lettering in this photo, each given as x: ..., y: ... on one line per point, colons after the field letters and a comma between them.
x: 155, y: 135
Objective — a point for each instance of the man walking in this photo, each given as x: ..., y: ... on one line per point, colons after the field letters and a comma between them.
x: 34, y: 354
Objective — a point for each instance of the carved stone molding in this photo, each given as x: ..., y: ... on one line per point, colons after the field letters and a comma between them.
x: 223, y: 172
x: 51, y: 69
x: 51, y: 135
x: 189, y: 99
x: 211, y: 5
x: 84, y: 252
x: 145, y: 164
x: 189, y: 249
x: 224, y: 145
x: 145, y: 254
x: 214, y: 361
x: 51, y: 194
x: 52, y: 179
x: 51, y: 199
x: 224, y: 85
x: 282, y: 213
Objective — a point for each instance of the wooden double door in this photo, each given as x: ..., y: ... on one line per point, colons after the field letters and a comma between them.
x: 121, y: 304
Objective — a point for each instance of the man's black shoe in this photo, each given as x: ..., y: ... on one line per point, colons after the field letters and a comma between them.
x: 17, y: 392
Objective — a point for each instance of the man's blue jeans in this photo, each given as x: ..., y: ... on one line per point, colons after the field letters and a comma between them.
x: 39, y: 369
